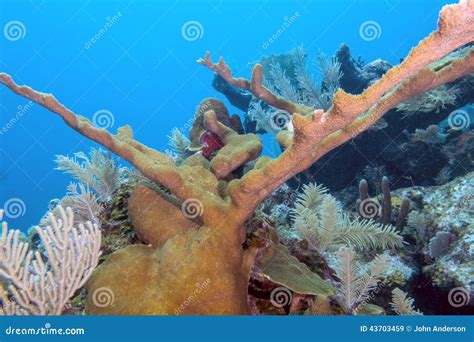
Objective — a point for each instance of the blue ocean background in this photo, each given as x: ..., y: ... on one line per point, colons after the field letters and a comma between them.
x: 144, y: 72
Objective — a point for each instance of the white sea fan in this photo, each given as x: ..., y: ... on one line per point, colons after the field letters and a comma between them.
x: 41, y: 283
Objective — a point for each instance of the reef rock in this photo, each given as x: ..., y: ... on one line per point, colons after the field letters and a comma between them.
x: 356, y: 75
x: 449, y: 212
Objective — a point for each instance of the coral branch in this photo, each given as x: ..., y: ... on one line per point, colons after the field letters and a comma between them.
x: 239, y: 149
x: 154, y: 165
x: 316, y: 135
x: 255, y: 85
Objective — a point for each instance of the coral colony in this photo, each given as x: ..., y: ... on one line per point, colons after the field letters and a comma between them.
x: 213, y: 228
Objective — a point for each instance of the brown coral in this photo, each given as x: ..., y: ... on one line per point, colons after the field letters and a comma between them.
x: 161, y: 280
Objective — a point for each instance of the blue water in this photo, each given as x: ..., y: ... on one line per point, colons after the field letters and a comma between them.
x: 144, y: 72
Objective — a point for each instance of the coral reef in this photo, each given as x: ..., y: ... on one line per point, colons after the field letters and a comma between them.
x: 442, y: 230
x: 215, y: 198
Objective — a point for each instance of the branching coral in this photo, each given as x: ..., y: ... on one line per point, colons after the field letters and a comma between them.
x: 34, y: 283
x: 157, y: 280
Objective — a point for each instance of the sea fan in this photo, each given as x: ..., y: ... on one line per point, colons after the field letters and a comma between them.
x: 330, y: 70
x: 431, y: 101
x: 262, y: 116
x: 97, y: 171
x: 282, y: 83
x: 402, y: 304
x: 41, y: 283
x: 84, y: 203
x: 417, y: 223
x: 319, y: 219
x: 355, y: 288
x: 179, y: 145
x: 299, y: 86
